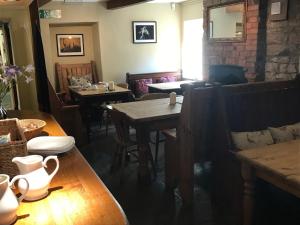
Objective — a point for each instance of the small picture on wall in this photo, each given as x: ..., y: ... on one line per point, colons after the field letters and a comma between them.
x: 144, y: 32
x: 70, y: 44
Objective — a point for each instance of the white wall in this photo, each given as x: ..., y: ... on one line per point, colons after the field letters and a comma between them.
x: 118, y: 54
x: 192, y: 9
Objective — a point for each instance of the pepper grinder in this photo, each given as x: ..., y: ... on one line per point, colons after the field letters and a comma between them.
x: 111, y: 86
x: 172, y: 98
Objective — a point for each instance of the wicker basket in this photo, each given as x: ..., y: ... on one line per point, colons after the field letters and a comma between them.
x: 32, y: 132
x: 17, y: 146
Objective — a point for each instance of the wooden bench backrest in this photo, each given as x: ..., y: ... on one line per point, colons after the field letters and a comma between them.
x: 245, y: 107
x: 64, y: 71
x: 256, y: 106
x: 131, y: 78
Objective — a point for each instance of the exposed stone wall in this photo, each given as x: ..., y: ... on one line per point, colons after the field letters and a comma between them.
x: 238, y: 53
x: 283, y: 44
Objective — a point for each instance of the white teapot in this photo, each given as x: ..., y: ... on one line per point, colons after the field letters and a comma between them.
x: 8, y: 201
x: 32, y: 167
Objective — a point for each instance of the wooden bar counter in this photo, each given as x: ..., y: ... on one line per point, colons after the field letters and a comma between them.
x: 77, y: 195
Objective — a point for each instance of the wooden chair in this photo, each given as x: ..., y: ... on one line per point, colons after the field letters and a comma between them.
x: 107, y: 108
x: 187, y: 144
x: 63, y: 74
x: 125, y: 145
x: 151, y: 96
x: 68, y: 116
x: 65, y: 71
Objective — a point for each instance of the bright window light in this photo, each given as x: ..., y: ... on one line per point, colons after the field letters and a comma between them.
x: 192, y: 49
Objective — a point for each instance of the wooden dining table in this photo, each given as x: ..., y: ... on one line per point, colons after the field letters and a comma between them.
x: 89, y: 96
x: 277, y: 164
x: 168, y: 87
x: 147, y: 116
x: 76, y: 194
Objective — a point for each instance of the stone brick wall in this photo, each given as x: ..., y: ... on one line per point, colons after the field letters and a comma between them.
x: 238, y: 53
x: 283, y: 44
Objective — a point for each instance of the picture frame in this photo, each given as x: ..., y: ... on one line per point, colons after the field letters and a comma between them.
x: 279, y: 10
x: 70, y: 45
x: 144, y: 32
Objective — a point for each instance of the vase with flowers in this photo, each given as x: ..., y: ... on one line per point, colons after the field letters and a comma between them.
x: 9, y: 77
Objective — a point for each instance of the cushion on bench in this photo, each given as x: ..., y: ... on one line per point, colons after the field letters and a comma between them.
x: 166, y: 79
x: 247, y: 140
x: 141, y: 86
x: 281, y: 134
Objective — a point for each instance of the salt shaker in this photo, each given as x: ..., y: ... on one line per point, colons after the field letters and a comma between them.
x: 111, y: 85
x: 172, y: 98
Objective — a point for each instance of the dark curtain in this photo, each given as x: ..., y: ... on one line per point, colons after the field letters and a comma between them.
x: 39, y: 59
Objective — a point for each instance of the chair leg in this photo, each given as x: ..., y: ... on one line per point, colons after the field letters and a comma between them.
x: 107, y: 122
x: 106, y: 126
x: 123, y: 157
x: 116, y: 159
x: 152, y: 162
x: 156, y: 145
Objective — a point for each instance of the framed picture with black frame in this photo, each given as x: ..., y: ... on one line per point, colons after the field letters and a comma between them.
x: 144, y: 32
x: 70, y: 45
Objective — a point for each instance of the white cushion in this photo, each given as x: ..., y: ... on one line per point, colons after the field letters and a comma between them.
x: 295, y: 129
x: 281, y: 134
x: 247, y: 140
x: 83, y: 81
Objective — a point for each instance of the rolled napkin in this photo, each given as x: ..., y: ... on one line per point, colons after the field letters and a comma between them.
x: 5, y: 138
x: 111, y: 85
x: 172, y: 98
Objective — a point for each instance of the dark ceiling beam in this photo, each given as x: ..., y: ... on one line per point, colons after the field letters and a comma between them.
x: 43, y: 2
x: 114, y: 4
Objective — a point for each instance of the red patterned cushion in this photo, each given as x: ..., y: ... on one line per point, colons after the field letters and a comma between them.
x: 166, y: 79
x: 141, y: 87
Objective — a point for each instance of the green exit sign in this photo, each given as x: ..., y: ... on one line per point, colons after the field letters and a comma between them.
x: 50, y: 14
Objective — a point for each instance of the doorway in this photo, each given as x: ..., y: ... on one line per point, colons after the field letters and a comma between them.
x: 6, y: 58
x: 192, y: 49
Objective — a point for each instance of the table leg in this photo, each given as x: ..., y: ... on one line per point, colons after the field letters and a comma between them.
x: 171, y: 163
x: 248, y: 200
x: 142, y: 134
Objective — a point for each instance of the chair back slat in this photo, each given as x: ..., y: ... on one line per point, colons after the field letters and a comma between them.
x: 121, y: 125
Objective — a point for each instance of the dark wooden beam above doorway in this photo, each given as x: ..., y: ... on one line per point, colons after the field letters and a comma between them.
x: 113, y: 4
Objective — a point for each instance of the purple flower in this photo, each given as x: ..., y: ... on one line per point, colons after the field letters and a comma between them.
x: 12, y: 71
x: 29, y: 68
x: 28, y: 80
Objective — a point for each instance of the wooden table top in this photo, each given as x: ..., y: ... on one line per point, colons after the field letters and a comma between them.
x: 150, y: 109
x: 78, y: 195
x: 280, y: 161
x: 95, y: 92
x: 169, y: 85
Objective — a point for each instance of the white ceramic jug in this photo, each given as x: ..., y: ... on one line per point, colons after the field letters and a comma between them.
x: 8, y: 201
x: 32, y: 167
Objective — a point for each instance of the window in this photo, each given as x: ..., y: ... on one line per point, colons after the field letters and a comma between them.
x: 192, y: 49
